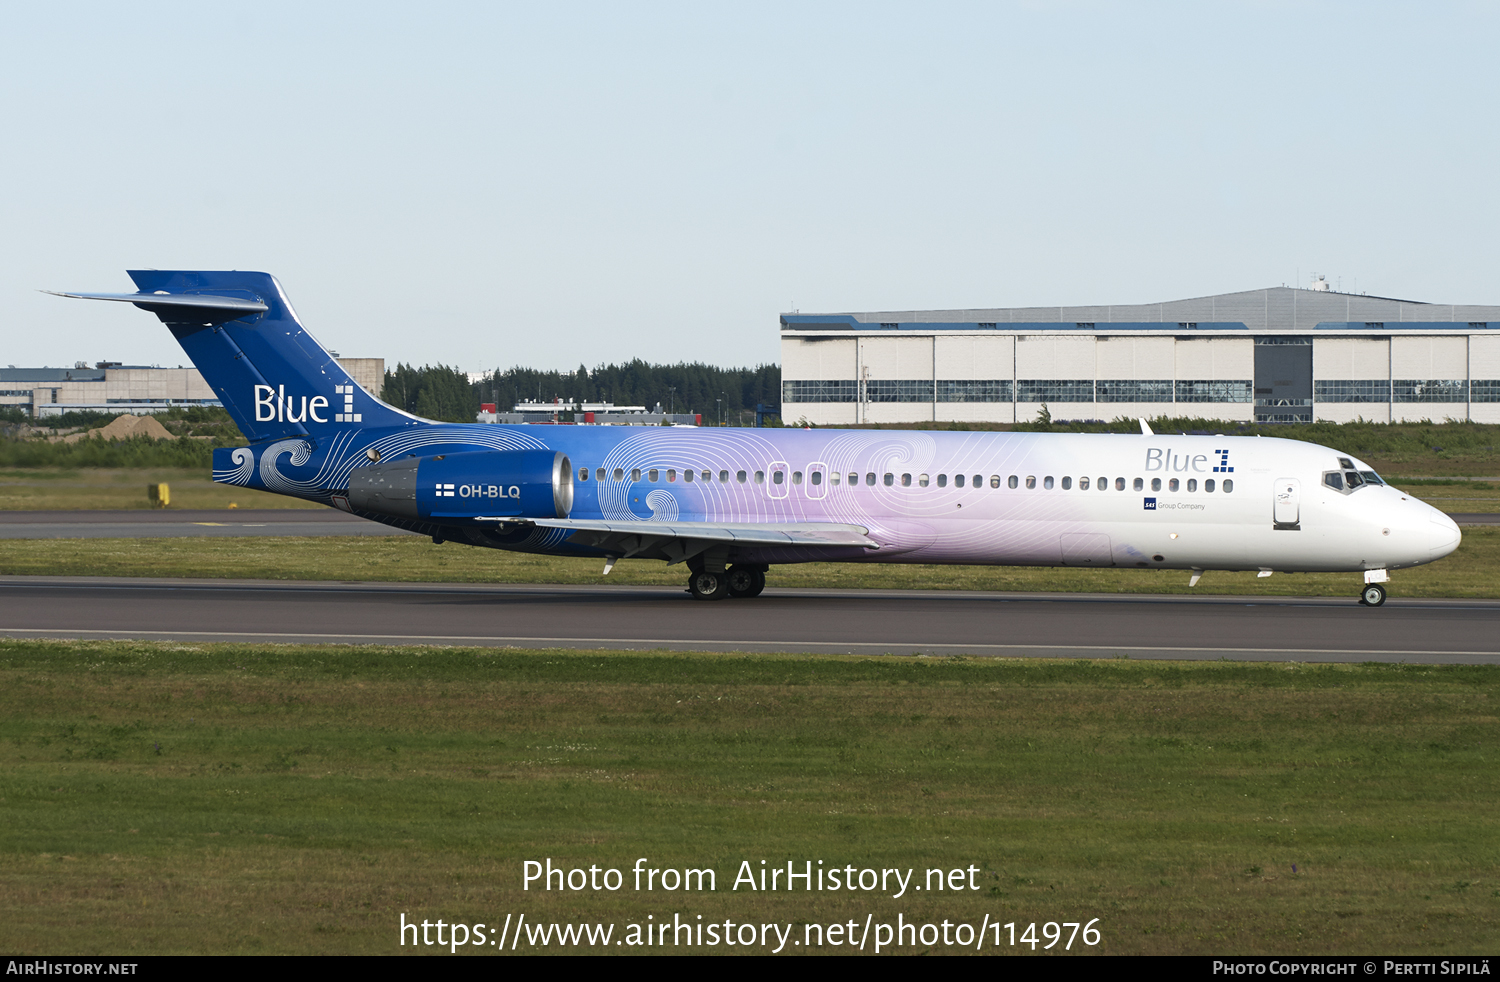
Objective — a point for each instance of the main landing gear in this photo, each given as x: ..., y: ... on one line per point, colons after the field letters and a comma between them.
x: 736, y: 581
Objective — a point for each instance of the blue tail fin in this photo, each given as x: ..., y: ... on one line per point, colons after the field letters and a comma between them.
x: 242, y: 334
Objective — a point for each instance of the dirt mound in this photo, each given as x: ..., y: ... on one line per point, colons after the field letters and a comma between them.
x: 124, y: 427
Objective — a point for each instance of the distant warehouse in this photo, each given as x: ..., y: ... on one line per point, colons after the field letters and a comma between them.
x: 1275, y: 355
x: 110, y: 386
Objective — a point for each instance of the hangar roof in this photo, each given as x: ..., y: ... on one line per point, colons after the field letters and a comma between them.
x: 1275, y: 309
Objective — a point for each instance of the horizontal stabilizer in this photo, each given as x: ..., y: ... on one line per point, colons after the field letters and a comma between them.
x: 184, y: 302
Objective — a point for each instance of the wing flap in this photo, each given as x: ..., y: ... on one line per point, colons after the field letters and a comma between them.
x: 769, y: 534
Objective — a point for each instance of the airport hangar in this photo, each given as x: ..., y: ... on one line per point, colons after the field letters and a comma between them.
x: 112, y: 387
x: 1276, y: 355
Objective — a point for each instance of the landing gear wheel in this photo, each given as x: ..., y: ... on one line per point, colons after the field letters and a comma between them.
x: 708, y: 585
x: 745, y: 582
x: 1373, y: 595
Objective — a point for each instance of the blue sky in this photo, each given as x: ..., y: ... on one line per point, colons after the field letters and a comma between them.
x: 485, y: 185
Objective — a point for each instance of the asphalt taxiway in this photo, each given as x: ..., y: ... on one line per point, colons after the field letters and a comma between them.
x: 870, y: 622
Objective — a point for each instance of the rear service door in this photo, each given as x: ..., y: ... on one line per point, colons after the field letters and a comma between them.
x: 1288, y: 505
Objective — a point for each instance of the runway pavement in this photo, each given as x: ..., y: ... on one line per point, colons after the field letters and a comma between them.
x: 828, y: 621
x: 181, y: 523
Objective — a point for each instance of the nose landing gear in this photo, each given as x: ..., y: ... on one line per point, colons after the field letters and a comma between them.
x: 1373, y: 595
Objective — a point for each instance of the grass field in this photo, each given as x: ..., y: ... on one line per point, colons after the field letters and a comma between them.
x: 220, y: 798
x: 57, y: 489
x: 1469, y: 572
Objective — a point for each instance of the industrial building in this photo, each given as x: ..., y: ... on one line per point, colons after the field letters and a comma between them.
x: 112, y: 387
x: 1276, y: 355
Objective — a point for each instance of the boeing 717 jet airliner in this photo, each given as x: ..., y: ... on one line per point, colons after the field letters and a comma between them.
x: 731, y: 503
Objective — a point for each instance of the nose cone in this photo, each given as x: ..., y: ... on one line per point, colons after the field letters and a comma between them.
x: 1443, y: 536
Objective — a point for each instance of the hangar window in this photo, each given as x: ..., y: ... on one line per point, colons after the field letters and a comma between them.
x: 942, y: 480
x: 619, y: 474
x: 1067, y: 483
x: 1012, y: 481
x: 654, y: 475
x: 1429, y: 390
x: 583, y: 473
x: 890, y: 479
x: 1351, y: 390
x: 1156, y: 484
x: 1192, y: 484
x: 1140, y: 485
x: 1083, y: 484
x: 1031, y: 482
x: 1119, y: 484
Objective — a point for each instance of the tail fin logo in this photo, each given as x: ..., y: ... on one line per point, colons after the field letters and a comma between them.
x: 348, y: 415
x: 275, y: 405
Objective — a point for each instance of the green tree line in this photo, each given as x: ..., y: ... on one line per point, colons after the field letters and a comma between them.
x: 444, y: 393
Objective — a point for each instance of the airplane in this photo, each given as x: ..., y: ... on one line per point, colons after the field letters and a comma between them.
x: 730, y: 503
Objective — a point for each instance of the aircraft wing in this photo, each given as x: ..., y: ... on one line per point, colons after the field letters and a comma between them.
x: 680, y: 541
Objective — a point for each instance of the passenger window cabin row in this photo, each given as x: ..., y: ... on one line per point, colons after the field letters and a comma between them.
x: 655, y: 475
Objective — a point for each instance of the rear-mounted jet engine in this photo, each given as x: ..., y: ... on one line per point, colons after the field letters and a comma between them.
x: 503, y: 483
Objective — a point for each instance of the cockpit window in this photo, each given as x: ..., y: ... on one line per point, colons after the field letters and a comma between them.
x: 1371, y: 477
x: 1346, y: 463
x: 1346, y: 482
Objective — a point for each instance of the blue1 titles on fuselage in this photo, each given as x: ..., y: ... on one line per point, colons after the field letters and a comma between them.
x: 730, y: 503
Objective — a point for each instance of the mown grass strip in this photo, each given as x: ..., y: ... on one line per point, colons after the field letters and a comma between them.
x: 171, y: 798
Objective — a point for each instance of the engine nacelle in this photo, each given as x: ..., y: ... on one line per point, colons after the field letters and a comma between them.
x: 500, y: 483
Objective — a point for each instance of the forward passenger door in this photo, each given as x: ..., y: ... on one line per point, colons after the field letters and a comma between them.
x: 1287, y: 509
